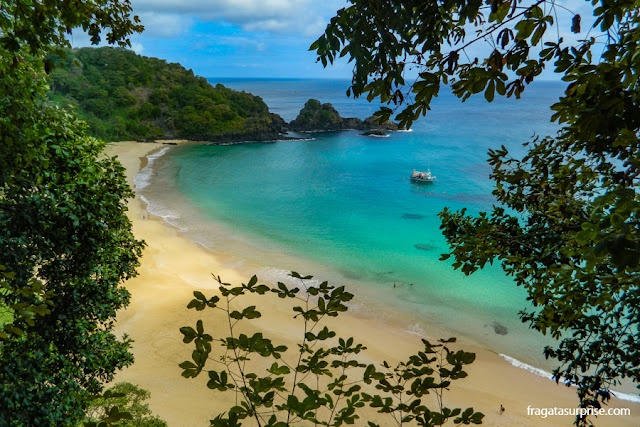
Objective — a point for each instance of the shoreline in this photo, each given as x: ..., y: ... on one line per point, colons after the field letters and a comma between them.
x: 173, y: 267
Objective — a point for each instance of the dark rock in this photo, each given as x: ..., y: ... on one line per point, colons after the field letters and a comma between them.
x: 352, y: 123
x: 375, y: 132
x: 318, y: 117
x: 277, y: 123
x: 372, y: 123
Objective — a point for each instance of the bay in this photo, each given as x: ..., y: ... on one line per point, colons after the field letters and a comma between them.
x: 341, y: 206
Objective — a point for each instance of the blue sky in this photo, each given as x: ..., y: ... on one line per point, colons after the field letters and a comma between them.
x: 236, y: 38
x: 255, y: 38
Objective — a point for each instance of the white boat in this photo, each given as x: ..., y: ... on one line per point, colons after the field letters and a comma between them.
x: 422, y: 176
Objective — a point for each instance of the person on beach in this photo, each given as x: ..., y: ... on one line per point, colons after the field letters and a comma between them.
x: 501, y: 409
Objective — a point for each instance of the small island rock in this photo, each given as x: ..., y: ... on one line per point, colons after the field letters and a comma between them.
x: 318, y: 117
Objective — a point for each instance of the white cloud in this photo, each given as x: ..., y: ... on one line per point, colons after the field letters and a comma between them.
x: 164, y: 25
x: 242, y: 42
x: 137, y: 47
x: 168, y: 18
x: 79, y: 38
x: 226, y: 9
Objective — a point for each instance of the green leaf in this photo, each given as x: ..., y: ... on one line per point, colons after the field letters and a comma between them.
x: 252, y: 281
x: 189, y: 334
x: 489, y: 93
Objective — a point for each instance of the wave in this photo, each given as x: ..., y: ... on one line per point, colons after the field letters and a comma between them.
x: 376, y: 136
x: 548, y: 375
x: 273, y: 275
x: 260, y: 142
x: 416, y: 329
x: 169, y: 216
x: 143, y: 177
x: 142, y: 180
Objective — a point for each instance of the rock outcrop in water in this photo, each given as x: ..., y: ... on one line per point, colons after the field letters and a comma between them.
x: 315, y: 117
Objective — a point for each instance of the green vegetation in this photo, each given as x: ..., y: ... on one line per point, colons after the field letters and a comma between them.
x: 13, y: 312
x: 317, y: 116
x: 125, y: 96
x: 323, y: 381
x: 122, y: 405
x: 65, y: 241
x: 568, y: 228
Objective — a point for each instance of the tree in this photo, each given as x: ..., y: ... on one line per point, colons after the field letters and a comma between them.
x: 324, y: 380
x: 65, y: 241
x: 567, y: 227
x: 125, y: 96
x: 43, y: 26
x: 122, y: 405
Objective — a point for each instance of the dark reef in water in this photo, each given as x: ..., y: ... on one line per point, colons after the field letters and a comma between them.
x: 412, y: 216
x: 424, y: 246
x: 351, y: 275
x: 384, y: 273
x: 499, y: 329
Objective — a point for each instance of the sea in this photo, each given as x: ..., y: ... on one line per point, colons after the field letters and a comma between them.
x: 340, y: 206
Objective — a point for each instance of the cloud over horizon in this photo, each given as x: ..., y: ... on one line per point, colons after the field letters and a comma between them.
x: 170, y: 18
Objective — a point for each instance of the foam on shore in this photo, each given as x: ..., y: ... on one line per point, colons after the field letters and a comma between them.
x: 143, y: 177
x: 548, y: 375
x: 142, y: 180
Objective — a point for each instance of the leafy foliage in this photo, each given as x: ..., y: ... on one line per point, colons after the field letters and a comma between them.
x: 431, y: 38
x: 121, y: 405
x: 125, y: 96
x: 39, y: 27
x: 65, y: 241
x: 10, y: 311
x: 63, y: 226
x: 324, y: 380
x: 568, y: 227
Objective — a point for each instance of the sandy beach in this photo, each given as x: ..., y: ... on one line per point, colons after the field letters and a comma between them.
x: 173, y: 267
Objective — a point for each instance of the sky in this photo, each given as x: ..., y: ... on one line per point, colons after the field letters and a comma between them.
x: 236, y: 38
x: 255, y: 38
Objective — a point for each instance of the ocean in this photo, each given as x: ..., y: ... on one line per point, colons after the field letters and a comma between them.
x: 341, y: 206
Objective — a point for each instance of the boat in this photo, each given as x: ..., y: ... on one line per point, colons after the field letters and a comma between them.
x: 422, y: 176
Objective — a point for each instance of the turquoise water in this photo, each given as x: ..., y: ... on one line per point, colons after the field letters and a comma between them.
x: 342, y: 205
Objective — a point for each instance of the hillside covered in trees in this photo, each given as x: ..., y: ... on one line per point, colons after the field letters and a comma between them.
x: 125, y: 96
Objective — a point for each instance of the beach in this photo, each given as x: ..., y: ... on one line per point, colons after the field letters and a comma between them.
x: 172, y: 267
